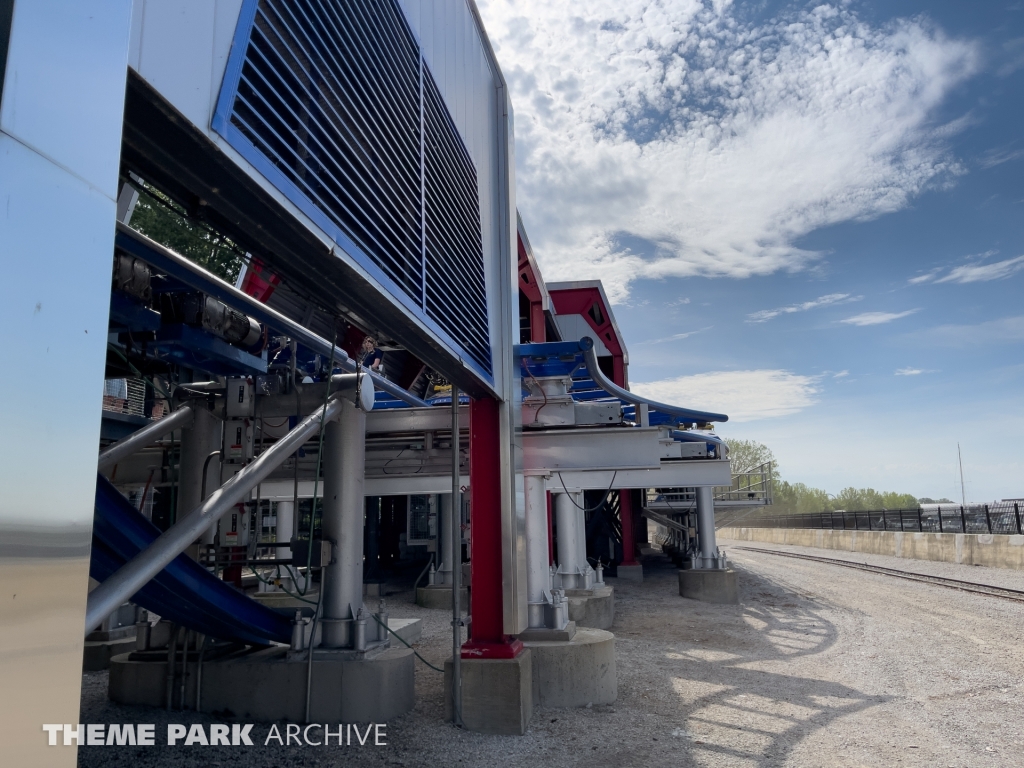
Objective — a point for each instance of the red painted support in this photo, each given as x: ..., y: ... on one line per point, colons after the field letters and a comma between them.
x: 258, y: 281
x: 487, y: 639
x: 529, y: 285
x: 628, y: 538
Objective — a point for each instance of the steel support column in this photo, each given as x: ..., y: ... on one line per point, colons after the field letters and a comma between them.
x: 569, y: 535
x: 444, y: 573
x: 198, y: 441
x: 628, y: 537
x: 706, y: 527
x: 538, y: 574
x: 487, y: 638
x: 344, y: 462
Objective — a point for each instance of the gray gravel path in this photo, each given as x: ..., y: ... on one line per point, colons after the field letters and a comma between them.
x: 818, y: 666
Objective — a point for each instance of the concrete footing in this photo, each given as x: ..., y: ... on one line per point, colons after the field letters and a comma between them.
x: 545, y: 633
x: 440, y: 596
x: 630, y: 572
x: 574, y: 673
x: 267, y: 685
x: 710, y: 586
x: 593, y: 608
x: 497, y: 694
x: 98, y: 653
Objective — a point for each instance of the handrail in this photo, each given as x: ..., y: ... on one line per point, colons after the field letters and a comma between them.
x: 587, y: 344
x: 135, y: 574
x: 194, y: 275
x: 136, y: 441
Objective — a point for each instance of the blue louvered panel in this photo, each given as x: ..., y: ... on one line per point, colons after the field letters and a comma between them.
x: 334, y: 99
x: 456, y: 294
x: 329, y: 91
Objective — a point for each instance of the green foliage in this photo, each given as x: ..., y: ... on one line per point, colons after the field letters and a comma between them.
x: 158, y: 218
x: 745, y: 455
x: 926, y: 500
x: 799, y: 498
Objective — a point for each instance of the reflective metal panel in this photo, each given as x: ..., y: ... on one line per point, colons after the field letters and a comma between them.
x: 59, y: 152
x: 62, y: 61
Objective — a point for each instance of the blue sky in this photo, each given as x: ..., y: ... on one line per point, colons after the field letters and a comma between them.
x: 810, y: 216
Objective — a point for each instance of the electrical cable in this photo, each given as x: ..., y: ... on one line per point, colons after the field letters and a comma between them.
x: 389, y: 629
x: 599, y: 504
x: 536, y: 414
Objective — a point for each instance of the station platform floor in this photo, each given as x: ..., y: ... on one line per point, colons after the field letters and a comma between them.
x: 818, y: 665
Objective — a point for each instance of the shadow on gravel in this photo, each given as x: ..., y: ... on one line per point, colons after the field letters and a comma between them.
x: 726, y: 666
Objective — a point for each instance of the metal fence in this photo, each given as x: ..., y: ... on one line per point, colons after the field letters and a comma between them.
x: 1002, y: 517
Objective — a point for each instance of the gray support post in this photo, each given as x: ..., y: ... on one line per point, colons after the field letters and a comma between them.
x: 568, y: 548
x: 706, y: 527
x: 285, y: 530
x: 456, y: 545
x: 444, y: 573
x: 198, y: 441
x: 538, y: 571
x: 344, y: 465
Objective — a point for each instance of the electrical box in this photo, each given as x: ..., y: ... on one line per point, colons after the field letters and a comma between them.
x: 241, y: 402
x: 238, y: 448
x: 234, y: 527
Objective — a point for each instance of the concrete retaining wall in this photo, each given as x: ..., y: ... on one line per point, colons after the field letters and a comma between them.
x: 992, y: 550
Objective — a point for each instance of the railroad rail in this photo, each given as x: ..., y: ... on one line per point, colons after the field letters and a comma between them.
x: 941, y: 581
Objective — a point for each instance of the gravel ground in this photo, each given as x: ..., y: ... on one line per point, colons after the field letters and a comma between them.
x: 818, y: 666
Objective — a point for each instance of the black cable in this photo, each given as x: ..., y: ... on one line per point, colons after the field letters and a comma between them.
x: 600, y: 504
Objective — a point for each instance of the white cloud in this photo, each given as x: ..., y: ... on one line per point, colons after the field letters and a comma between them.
x: 841, y: 375
x: 973, y: 272
x: 977, y: 273
x: 1006, y: 329
x: 715, y: 141
x: 908, y: 371
x: 877, y: 318
x: 927, y: 277
x: 743, y: 395
x: 676, y: 336
x: 764, y: 315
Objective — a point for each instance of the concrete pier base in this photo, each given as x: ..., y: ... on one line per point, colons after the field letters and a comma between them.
x: 98, y: 653
x: 710, y: 586
x: 497, y: 694
x: 440, y: 596
x: 267, y: 685
x: 593, y: 608
x: 574, y: 673
x: 630, y: 572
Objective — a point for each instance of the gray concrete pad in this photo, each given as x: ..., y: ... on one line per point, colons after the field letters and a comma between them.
x: 409, y: 630
x: 630, y: 572
x: 576, y: 673
x: 440, y: 597
x: 593, y: 608
x: 710, y: 586
x: 267, y: 686
x: 497, y: 694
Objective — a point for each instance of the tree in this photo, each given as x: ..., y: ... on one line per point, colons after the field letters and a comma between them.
x: 159, y: 218
x: 746, y: 455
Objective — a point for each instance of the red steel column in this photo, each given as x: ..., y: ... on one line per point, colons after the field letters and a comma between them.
x: 487, y: 638
x: 628, y: 539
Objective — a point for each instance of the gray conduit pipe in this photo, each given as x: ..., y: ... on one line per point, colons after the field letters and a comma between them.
x: 144, y: 566
x: 135, y: 442
x: 684, y: 414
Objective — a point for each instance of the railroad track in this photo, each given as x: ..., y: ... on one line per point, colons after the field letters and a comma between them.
x: 941, y: 581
